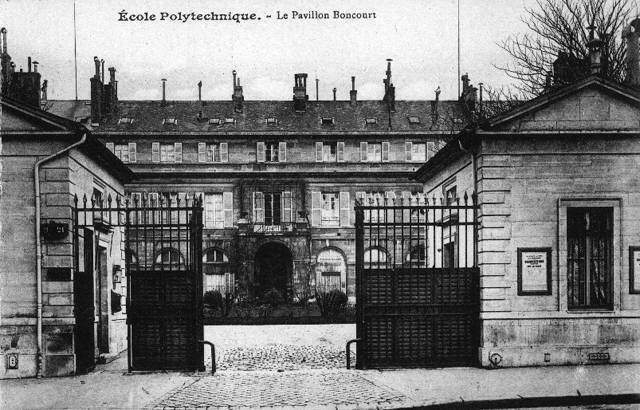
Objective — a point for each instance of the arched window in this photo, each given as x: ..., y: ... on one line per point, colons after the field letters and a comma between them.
x: 170, y: 259
x: 215, y: 265
x: 375, y: 258
x: 331, y: 271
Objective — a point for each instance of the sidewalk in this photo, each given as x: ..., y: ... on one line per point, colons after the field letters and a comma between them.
x: 319, y: 388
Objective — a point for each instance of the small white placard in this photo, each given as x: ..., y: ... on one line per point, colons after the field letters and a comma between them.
x: 534, y: 271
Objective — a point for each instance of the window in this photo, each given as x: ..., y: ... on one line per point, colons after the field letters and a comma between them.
x: 214, y: 121
x: 450, y: 195
x: 331, y: 270
x: 170, y: 121
x: 213, y: 152
x: 166, y: 152
x: 230, y: 121
x: 271, y: 151
x: 449, y: 255
x: 414, y: 120
x: 371, y: 121
x: 215, y: 266
x: 416, y: 151
x: 272, y: 208
x: 126, y: 152
x: 169, y: 258
x: 330, y: 209
x: 125, y: 120
x: 417, y: 255
x: 589, y: 257
x: 213, y: 211
x: 330, y: 151
x: 375, y: 258
x: 374, y: 151
x: 327, y: 121
x: 272, y: 121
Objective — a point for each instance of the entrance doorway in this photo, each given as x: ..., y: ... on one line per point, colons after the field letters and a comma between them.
x: 274, y: 267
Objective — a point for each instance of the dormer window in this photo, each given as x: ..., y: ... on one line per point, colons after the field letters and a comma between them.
x: 125, y: 120
x: 214, y: 121
x: 327, y: 121
x: 229, y: 121
x: 272, y: 121
x: 414, y: 120
x: 371, y: 121
x: 170, y: 121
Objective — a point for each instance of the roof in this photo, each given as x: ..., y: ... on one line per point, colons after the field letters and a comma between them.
x: 148, y: 117
x: 467, y: 137
x: 54, y: 126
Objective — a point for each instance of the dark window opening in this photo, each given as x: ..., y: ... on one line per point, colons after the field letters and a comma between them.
x: 589, y: 257
x: 272, y: 211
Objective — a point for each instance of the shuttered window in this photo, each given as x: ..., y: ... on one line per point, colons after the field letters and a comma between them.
x: 282, y: 152
x: 385, y: 152
x: 227, y: 204
x: 258, y: 207
x: 177, y: 148
x: 287, y: 215
x: 133, y: 154
x: 214, y: 211
x: 260, y: 152
x: 202, y: 152
x: 345, y: 209
x: 319, y: 156
x: 363, y: 151
x: 155, y: 152
x: 341, y: 151
x: 316, y: 208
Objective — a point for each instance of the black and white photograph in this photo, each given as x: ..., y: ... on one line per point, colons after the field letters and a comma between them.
x: 319, y: 204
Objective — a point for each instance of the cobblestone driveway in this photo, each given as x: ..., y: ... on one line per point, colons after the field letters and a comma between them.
x: 282, y: 357
x: 311, y: 388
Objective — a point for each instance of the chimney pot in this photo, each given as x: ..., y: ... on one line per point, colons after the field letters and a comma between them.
x: 300, y: 96
x: 35, y: 66
x: 97, y: 63
x: 317, y: 96
x: 102, y: 62
x: 164, y: 82
x: 334, y: 93
x: 28, y: 64
x: 200, y: 91
x: 3, y: 34
x: 353, y: 94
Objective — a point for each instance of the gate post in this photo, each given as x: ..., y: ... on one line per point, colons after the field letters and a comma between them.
x: 360, y: 325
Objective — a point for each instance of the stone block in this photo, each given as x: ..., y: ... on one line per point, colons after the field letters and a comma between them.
x: 56, y: 174
x: 56, y: 299
x: 57, y: 311
x: 58, y: 199
x: 57, y: 287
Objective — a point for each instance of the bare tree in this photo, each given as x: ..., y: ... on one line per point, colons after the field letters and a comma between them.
x: 565, y: 26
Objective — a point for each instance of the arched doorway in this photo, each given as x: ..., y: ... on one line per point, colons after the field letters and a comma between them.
x: 273, y: 269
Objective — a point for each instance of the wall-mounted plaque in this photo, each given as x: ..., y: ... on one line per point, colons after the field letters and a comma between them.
x: 534, y: 271
x: 634, y: 269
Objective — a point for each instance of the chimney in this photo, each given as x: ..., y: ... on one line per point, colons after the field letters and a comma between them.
x: 28, y: 64
x: 631, y: 35
x: 43, y: 97
x: 3, y: 36
x: 469, y: 93
x: 353, y: 94
x: 434, y: 106
x: 300, y: 96
x: 102, y: 62
x: 112, y: 75
x: 389, y: 89
x: 237, y: 96
x: 334, y: 93
x: 97, y: 64
x: 317, y: 97
x: 200, y: 91
x: 595, y: 53
x: 35, y: 66
x: 164, y: 85
x: 96, y: 93
x: 22, y: 86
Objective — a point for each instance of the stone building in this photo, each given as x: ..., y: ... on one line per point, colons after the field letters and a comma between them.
x: 279, y: 178
x: 45, y: 160
x: 559, y: 207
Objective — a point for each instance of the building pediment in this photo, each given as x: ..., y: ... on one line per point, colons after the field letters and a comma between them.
x: 591, y: 105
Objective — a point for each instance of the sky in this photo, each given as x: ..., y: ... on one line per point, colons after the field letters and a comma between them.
x: 419, y: 35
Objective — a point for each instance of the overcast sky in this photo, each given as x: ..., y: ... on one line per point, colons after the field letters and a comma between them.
x: 419, y: 35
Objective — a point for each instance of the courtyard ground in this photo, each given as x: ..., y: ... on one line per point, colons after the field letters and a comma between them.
x: 277, y: 366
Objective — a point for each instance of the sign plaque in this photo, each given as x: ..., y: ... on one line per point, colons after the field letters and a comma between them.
x: 534, y: 271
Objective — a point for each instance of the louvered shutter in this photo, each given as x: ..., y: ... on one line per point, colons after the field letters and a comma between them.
x: 363, y: 152
x: 286, y: 207
x: 319, y: 151
x: 345, y: 209
x: 260, y: 152
x: 202, y: 152
x: 155, y: 152
x: 208, y: 211
x: 385, y: 151
x: 282, y: 151
x: 316, y: 208
x: 227, y: 205
x: 340, y: 152
x: 110, y: 146
x: 133, y: 155
x: 431, y: 147
x: 224, y: 152
x: 177, y: 152
x: 408, y: 146
x: 258, y: 207
x: 390, y: 197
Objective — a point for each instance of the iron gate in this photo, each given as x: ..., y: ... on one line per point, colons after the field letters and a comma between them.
x: 417, y: 283
x: 162, y: 254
